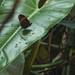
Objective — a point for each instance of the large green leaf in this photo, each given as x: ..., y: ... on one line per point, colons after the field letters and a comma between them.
x: 14, y: 39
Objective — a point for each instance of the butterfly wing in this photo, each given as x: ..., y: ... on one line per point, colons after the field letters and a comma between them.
x: 24, y: 22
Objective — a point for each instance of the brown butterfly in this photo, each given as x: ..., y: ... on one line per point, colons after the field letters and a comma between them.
x: 24, y: 22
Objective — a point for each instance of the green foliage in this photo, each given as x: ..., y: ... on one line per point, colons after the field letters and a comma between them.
x: 14, y: 39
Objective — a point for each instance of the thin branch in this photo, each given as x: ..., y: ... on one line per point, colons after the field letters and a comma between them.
x: 10, y: 14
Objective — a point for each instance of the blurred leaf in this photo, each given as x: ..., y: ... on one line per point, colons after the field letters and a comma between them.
x: 43, y: 56
x: 70, y: 24
x: 13, y: 40
x: 1, y: 1
x: 16, y: 67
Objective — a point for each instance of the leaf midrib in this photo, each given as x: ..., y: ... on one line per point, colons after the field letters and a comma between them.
x: 18, y: 30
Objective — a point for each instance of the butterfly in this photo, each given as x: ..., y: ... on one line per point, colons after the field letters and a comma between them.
x: 24, y: 22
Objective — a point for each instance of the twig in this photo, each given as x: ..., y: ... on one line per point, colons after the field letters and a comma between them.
x: 10, y: 14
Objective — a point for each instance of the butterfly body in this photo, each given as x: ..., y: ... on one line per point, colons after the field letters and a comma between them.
x: 24, y: 22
